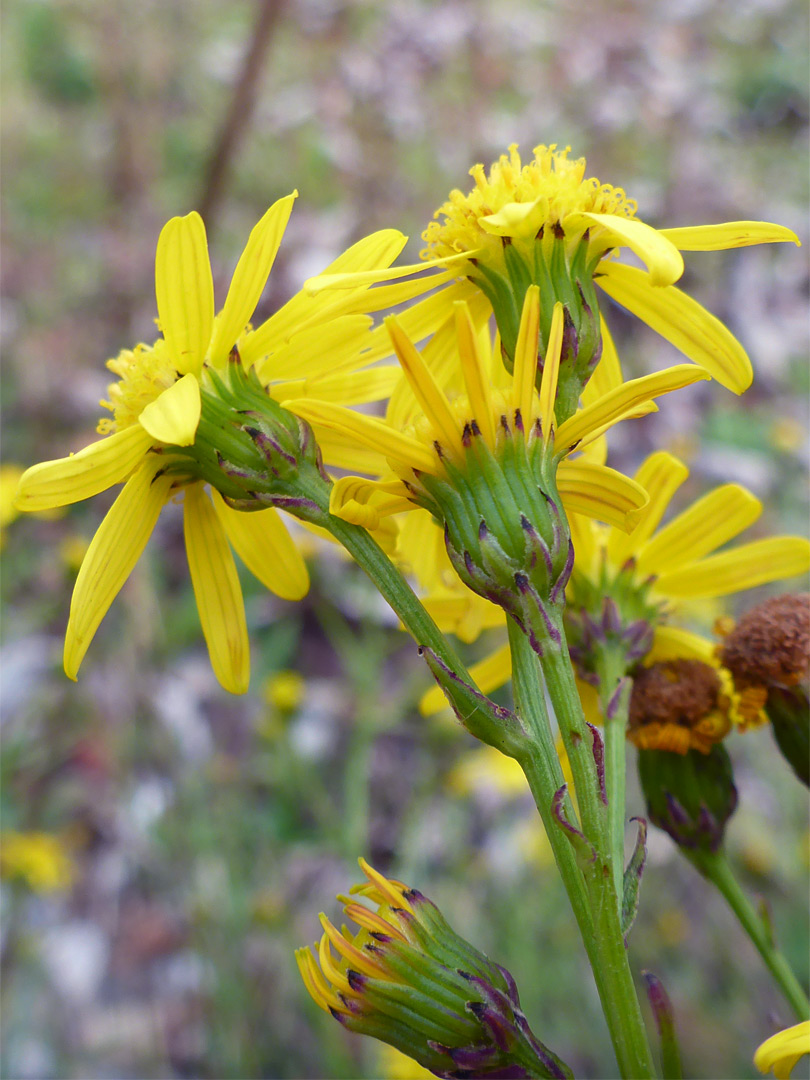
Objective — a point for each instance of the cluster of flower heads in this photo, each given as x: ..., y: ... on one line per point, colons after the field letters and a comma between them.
x: 485, y: 479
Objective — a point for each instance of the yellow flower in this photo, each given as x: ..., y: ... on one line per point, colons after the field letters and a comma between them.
x: 156, y: 428
x: 486, y: 767
x: 527, y: 221
x: 39, y: 859
x: 405, y: 977
x: 284, y: 690
x: 660, y: 568
x: 782, y: 1051
x: 430, y: 427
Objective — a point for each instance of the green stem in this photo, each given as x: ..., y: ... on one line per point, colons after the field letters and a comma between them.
x: 578, y: 739
x: 544, y: 772
x: 715, y: 866
x: 596, y: 911
x: 611, y: 667
x: 600, y: 927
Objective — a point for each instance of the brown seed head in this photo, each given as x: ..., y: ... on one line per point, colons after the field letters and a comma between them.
x: 770, y: 645
x: 678, y: 705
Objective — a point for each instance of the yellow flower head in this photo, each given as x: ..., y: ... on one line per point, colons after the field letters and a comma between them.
x: 172, y: 403
x: 284, y: 690
x: 482, y: 450
x: 781, y: 1053
x: 520, y: 201
x: 38, y: 859
x: 546, y: 223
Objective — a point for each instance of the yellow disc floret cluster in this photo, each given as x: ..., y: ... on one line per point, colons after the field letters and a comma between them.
x: 144, y: 373
x: 526, y: 197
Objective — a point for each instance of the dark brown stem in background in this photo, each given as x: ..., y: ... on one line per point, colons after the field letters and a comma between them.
x: 240, y: 111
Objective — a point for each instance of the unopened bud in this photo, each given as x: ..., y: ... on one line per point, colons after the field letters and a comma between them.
x: 406, y: 978
x: 691, y: 796
x: 788, y: 710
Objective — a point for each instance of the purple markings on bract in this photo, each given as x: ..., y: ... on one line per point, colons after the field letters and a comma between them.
x: 598, y: 748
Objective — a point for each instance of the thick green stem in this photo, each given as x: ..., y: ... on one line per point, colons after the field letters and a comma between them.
x: 599, y: 926
x: 597, y: 913
x: 615, y: 702
x: 716, y: 868
x: 544, y: 772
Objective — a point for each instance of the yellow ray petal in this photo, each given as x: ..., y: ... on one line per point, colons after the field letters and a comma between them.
x: 367, y: 430
x: 516, y: 219
x: 348, y: 387
x: 112, y: 554
x: 673, y: 642
x: 185, y: 291
x: 551, y: 373
x: 473, y: 373
x: 660, y: 475
x: 250, y: 277
x: 701, y: 528
x: 608, y: 373
x: 427, y: 391
x: 682, y: 321
x: 342, y: 451
x: 585, y: 538
x: 782, y: 1051
x: 601, y: 493
x: 659, y: 254
x: 524, y: 375
x: 79, y: 476
x: 174, y: 415
x: 319, y: 350
x: 319, y: 990
x: 217, y: 591
x: 741, y: 568
x: 303, y: 311
x: 366, y: 502
x: 441, y: 356
x: 315, y: 285
x: 262, y: 542
x: 728, y: 234
x: 615, y: 404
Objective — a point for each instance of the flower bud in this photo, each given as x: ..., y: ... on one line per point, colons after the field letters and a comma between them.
x: 406, y: 978
x: 788, y: 710
x: 691, y: 796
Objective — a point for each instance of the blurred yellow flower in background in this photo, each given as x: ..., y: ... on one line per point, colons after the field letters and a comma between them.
x: 39, y: 859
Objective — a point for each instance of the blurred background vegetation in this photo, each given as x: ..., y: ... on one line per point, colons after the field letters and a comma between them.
x: 193, y: 837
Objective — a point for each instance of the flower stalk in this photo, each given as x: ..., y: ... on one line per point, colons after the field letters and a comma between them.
x: 597, y: 912
x: 715, y: 867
